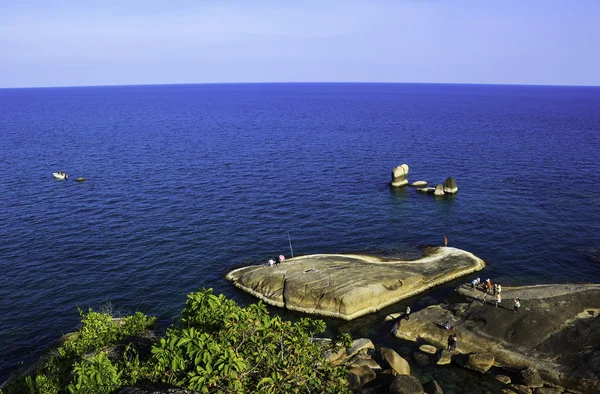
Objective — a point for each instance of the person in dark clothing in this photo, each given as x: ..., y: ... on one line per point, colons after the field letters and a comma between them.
x: 277, y: 261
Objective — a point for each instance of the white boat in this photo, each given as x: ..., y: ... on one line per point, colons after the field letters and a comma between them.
x: 60, y: 175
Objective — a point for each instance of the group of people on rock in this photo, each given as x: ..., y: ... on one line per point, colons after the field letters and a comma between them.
x: 278, y: 260
x: 487, y: 287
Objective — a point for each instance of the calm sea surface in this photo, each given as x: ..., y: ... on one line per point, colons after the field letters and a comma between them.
x: 185, y: 182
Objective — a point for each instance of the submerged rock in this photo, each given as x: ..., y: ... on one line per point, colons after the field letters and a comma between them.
x: 399, y: 175
x: 349, y: 286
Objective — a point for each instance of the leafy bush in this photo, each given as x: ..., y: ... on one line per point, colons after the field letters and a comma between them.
x: 222, y: 347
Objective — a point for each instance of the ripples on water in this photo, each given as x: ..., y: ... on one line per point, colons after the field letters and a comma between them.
x: 185, y: 182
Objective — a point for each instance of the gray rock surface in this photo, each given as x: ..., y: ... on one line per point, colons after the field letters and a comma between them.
x: 556, y: 330
x: 450, y: 186
x: 350, y: 286
x: 399, y: 175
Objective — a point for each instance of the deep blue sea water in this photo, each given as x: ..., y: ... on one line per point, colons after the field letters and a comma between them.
x: 185, y: 182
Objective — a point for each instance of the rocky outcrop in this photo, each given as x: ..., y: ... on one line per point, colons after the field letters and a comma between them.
x: 349, y: 286
x: 556, y: 331
x: 479, y: 362
x: 439, y: 191
x: 419, y: 184
x: 399, y: 175
x: 450, y: 186
x: 406, y: 384
x: 395, y: 361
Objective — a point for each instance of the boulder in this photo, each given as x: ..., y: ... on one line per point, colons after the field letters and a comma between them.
x: 369, y: 362
x: 419, y: 184
x: 432, y: 387
x: 450, y: 186
x: 359, y: 376
x: 531, y: 377
x: 347, y: 286
x: 439, y: 190
x: 429, y: 349
x: 399, y: 175
x: 503, y: 378
x: 395, y: 361
x: 479, y: 362
x: 405, y: 384
x: 359, y: 345
x: 427, y: 190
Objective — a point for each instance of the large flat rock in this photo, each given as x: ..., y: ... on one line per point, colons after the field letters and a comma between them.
x: 556, y: 330
x: 349, y: 286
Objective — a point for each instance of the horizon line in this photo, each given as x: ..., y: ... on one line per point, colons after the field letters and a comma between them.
x: 299, y: 83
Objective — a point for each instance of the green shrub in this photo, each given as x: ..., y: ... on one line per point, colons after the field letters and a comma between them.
x: 95, y: 375
x: 225, y: 348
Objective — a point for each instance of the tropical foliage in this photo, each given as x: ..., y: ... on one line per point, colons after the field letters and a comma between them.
x: 217, y: 346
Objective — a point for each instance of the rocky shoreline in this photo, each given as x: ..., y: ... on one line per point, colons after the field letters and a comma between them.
x: 551, y: 344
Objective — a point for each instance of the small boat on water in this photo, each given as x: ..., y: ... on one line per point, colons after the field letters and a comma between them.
x: 60, y: 175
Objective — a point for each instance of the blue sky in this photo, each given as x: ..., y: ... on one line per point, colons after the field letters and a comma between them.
x: 71, y: 43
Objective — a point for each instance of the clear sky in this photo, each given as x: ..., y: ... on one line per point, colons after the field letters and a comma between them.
x: 81, y: 42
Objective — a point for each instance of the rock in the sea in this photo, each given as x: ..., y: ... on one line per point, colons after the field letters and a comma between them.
x: 439, y: 190
x: 395, y: 361
x: 405, y: 384
x: 426, y: 190
x: 532, y: 378
x: 450, y: 186
x: 432, y: 387
x: 419, y: 184
x: 350, y: 286
x: 479, y: 362
x: 399, y: 175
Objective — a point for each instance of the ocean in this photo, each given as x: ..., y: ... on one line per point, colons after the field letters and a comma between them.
x: 186, y: 182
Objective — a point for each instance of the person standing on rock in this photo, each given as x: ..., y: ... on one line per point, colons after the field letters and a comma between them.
x: 484, y: 297
x: 407, y: 314
x: 454, y: 340
x: 488, y: 285
x: 450, y: 342
x: 498, y: 300
x: 495, y: 288
x: 445, y: 241
x: 499, y: 288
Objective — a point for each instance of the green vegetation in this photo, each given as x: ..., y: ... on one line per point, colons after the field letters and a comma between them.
x: 217, y: 347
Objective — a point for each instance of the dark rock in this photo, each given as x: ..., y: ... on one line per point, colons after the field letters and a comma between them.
x: 520, y: 389
x: 432, y: 387
x: 547, y: 390
x: 450, y: 186
x: 532, y: 378
x: 421, y: 359
x: 503, y: 378
x: 406, y: 384
x: 359, y: 376
x: 556, y: 330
